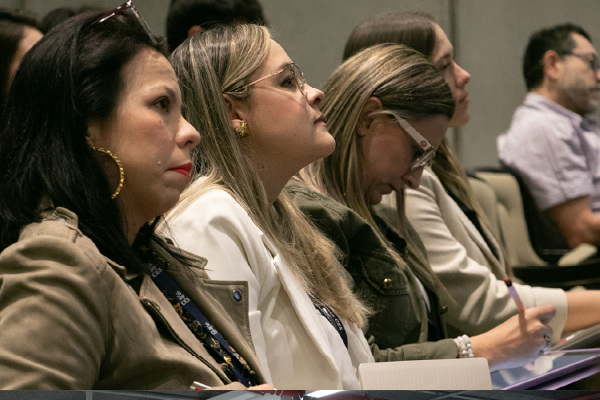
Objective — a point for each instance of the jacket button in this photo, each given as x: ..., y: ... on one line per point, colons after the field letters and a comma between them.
x: 444, y: 310
x: 387, y: 283
x: 237, y: 295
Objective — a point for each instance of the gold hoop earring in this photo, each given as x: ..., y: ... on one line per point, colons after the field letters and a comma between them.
x: 121, y: 172
x: 243, y: 130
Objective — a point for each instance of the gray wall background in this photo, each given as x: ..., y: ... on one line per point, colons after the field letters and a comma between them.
x: 489, y: 38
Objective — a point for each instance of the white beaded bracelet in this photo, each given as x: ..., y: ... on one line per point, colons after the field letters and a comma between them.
x: 465, y: 350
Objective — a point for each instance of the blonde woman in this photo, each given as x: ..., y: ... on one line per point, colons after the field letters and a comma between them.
x: 260, y: 124
x: 388, y: 108
x: 461, y: 248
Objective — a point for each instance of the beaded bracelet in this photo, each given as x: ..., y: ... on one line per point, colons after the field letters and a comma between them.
x: 465, y: 350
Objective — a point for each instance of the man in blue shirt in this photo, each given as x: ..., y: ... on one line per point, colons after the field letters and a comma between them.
x: 551, y: 142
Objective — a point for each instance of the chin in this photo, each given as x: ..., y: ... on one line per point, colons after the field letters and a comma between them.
x: 375, y: 198
x: 170, y: 200
x: 330, y: 147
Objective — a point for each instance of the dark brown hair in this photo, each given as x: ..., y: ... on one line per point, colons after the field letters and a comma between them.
x: 413, y: 28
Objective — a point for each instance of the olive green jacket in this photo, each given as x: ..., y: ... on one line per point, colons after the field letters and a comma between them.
x: 72, y: 319
x: 397, y: 329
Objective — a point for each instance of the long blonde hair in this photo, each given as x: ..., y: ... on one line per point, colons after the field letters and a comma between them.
x: 404, y: 81
x: 220, y: 61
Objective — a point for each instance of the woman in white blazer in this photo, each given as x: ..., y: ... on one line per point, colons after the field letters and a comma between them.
x: 260, y: 124
x: 461, y: 249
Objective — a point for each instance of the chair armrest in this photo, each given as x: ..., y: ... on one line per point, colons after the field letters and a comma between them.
x: 578, y: 255
x: 565, y: 277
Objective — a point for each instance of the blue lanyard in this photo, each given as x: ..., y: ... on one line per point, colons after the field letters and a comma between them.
x: 167, y: 283
x: 333, y: 319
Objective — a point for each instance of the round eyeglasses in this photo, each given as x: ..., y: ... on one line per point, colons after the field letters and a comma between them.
x: 298, y: 76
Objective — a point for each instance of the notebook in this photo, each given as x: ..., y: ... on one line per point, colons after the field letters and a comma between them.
x: 451, y: 374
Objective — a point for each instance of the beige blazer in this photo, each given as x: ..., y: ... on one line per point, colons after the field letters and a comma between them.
x: 466, y: 266
x: 72, y: 319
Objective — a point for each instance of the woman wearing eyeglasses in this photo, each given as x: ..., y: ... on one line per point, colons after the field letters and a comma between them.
x: 94, y: 149
x: 261, y: 124
x: 461, y: 248
x: 388, y: 107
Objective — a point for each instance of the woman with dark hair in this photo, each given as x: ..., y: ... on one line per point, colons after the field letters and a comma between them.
x: 18, y: 33
x: 462, y: 250
x: 94, y: 149
x: 388, y: 109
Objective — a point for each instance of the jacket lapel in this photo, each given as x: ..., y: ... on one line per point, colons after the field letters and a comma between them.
x: 204, y: 292
x: 492, y: 261
x: 302, y: 304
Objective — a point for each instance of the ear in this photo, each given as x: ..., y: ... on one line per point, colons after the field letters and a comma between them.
x: 365, y: 121
x: 194, y: 30
x: 552, y: 65
x: 93, y: 135
x: 237, y: 110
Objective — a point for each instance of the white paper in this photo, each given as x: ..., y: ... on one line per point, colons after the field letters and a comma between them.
x: 451, y: 374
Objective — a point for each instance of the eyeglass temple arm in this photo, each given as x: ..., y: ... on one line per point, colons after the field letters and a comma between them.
x: 408, y: 128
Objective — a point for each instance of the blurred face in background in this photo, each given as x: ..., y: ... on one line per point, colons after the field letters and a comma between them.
x: 456, y: 77
x: 30, y: 37
x: 579, y: 82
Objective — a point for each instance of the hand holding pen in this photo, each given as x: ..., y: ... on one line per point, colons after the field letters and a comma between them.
x: 521, y: 307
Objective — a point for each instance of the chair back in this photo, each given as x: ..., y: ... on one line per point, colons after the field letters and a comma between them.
x: 544, y: 235
x: 509, y: 216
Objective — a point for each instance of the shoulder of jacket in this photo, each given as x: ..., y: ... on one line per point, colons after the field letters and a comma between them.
x: 308, y: 198
x: 56, y: 222
x: 215, y: 201
x: 59, y: 228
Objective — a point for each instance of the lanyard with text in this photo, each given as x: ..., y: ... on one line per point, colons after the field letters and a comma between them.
x: 167, y: 283
x: 333, y: 319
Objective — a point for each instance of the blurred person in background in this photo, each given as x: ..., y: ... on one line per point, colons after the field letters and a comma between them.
x: 189, y: 17
x: 19, y: 31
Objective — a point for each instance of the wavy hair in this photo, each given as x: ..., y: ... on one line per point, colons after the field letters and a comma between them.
x: 220, y: 62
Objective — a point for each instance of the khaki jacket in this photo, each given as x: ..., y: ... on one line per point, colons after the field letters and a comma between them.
x: 72, y: 319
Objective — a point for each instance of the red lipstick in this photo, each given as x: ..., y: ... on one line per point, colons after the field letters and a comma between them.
x: 184, y: 169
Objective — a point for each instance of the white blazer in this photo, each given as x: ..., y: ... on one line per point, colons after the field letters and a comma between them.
x: 466, y: 266
x: 297, y: 347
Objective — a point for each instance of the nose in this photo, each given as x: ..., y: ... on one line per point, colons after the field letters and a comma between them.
x: 313, y: 95
x: 598, y: 75
x: 412, y: 179
x: 187, y: 136
x: 462, y: 76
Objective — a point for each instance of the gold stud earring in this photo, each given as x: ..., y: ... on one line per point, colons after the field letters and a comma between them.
x: 121, y: 172
x: 243, y: 130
